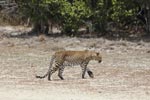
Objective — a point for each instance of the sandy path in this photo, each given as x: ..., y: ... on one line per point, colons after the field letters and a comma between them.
x: 124, y: 73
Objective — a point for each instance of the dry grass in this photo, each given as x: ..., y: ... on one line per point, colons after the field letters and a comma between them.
x: 124, y: 73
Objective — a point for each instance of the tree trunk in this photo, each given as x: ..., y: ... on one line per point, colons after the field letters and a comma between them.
x: 40, y: 28
x: 148, y: 21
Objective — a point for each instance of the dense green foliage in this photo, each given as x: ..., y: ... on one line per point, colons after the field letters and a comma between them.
x: 72, y: 14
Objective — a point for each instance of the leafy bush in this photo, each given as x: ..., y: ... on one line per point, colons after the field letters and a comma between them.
x: 72, y: 14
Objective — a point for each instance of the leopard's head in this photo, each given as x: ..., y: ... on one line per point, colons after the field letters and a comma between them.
x: 96, y: 56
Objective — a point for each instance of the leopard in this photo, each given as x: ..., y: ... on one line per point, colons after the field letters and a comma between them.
x: 71, y: 58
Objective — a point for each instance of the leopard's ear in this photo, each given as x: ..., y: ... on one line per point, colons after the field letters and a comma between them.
x: 97, y: 54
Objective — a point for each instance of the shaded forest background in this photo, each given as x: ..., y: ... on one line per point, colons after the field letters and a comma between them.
x: 118, y: 18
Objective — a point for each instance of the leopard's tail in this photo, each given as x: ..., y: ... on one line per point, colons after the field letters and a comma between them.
x: 51, y: 63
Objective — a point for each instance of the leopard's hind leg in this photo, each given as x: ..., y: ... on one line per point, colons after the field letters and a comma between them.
x: 60, y: 72
x: 53, y: 70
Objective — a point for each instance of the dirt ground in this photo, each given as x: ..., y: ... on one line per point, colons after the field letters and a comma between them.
x: 124, y: 73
